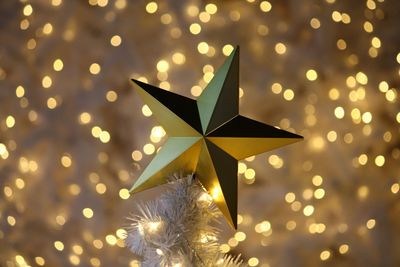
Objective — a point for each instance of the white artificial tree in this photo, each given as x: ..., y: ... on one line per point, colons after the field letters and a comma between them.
x: 178, y: 228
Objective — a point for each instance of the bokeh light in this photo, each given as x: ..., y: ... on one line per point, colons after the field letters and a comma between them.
x: 74, y: 135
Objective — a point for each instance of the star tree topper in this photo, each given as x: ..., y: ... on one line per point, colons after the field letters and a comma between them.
x: 207, y: 136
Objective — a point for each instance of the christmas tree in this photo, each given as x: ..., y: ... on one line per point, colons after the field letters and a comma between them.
x: 177, y: 229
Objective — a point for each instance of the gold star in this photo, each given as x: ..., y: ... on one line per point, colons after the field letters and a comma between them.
x: 207, y: 136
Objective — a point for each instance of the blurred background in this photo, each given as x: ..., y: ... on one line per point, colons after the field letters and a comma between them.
x: 74, y: 135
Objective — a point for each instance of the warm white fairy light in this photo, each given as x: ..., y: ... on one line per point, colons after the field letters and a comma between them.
x: 216, y: 193
x: 153, y: 226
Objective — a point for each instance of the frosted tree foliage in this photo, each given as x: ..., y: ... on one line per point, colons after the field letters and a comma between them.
x: 178, y: 229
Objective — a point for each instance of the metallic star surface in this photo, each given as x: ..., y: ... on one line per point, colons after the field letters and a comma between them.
x: 207, y: 136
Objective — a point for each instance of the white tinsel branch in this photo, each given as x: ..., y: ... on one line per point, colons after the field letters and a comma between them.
x: 176, y: 229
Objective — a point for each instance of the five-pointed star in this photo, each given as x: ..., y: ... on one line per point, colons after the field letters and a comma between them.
x: 207, y: 136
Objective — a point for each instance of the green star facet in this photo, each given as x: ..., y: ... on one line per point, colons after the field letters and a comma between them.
x: 207, y: 136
